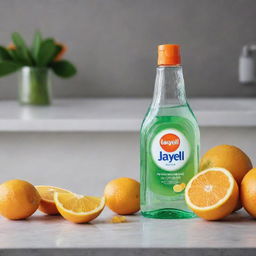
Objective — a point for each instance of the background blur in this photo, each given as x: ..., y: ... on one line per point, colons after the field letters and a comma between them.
x: 113, y: 42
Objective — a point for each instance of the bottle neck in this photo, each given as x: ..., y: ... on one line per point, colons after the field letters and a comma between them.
x: 169, y: 87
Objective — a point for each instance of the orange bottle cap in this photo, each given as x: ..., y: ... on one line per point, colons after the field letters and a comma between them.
x: 168, y: 55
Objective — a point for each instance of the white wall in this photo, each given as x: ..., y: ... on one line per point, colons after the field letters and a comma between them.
x: 113, y: 43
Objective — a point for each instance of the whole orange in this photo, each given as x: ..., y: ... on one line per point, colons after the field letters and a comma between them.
x: 18, y: 199
x: 123, y: 195
x: 248, y: 192
x: 229, y: 157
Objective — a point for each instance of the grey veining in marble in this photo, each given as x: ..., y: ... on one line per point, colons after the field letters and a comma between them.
x: 40, y: 231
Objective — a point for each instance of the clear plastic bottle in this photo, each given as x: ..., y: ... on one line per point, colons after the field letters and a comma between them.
x: 169, y: 142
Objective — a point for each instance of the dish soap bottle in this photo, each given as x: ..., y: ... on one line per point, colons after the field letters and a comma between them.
x: 169, y: 142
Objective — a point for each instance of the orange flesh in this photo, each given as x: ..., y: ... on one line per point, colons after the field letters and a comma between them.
x: 208, y: 189
x: 118, y: 219
x: 79, y: 204
x: 47, y: 193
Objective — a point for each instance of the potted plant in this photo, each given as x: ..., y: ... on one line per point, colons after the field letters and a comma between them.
x: 35, y: 64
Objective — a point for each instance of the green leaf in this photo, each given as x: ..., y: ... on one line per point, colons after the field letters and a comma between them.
x: 18, y: 40
x: 36, y: 44
x: 58, y: 49
x: 8, y: 67
x: 64, y: 68
x: 22, y: 49
x: 15, y: 57
x: 18, y: 57
x: 4, y: 54
x: 46, y: 52
x: 25, y: 56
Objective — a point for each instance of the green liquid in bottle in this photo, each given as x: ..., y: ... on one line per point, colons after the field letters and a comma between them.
x: 169, y: 148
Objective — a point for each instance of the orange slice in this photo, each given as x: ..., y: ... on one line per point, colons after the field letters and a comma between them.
x: 47, y: 204
x: 78, y: 208
x: 212, y: 194
x: 179, y: 187
x: 118, y: 219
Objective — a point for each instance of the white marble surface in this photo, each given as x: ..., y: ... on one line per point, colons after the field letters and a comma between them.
x: 117, y: 114
x: 41, y: 231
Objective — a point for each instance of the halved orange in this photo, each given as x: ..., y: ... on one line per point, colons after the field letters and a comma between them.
x: 212, y: 194
x: 47, y: 204
x: 78, y: 208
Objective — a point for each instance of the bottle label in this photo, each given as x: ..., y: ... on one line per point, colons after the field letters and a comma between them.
x: 170, y: 150
x: 171, y: 156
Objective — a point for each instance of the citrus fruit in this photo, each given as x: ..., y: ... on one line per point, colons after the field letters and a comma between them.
x: 238, y: 205
x: 212, y: 194
x: 47, y: 204
x: 78, y: 208
x: 229, y: 157
x: 18, y: 199
x: 123, y: 195
x: 118, y: 219
x: 248, y: 192
x: 179, y: 187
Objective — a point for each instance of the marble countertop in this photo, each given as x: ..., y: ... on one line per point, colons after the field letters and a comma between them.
x: 118, y: 114
x: 52, y: 235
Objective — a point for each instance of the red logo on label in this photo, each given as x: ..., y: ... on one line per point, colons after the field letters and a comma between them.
x: 170, y: 142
